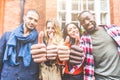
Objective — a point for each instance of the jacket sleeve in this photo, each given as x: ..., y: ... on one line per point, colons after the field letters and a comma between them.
x: 3, y: 41
x: 2, y: 47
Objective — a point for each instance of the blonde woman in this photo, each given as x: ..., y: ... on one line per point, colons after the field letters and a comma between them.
x: 50, y: 70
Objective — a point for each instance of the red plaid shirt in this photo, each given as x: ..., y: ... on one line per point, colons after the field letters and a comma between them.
x: 86, y: 43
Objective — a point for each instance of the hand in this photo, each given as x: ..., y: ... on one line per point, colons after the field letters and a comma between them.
x: 51, y: 52
x: 76, y: 52
x: 76, y: 55
x: 38, y: 51
x: 51, y: 48
x: 64, y: 50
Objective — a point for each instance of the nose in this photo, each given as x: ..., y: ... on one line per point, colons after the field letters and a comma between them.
x: 32, y: 21
x: 87, y: 21
x: 50, y: 29
x: 74, y: 30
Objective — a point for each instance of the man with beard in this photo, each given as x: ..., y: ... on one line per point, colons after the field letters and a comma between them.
x: 15, y: 59
x: 103, y: 42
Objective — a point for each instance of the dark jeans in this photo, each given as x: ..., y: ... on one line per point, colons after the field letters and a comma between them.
x: 72, y: 77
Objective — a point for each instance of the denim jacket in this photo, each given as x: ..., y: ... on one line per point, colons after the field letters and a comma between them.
x: 18, y: 72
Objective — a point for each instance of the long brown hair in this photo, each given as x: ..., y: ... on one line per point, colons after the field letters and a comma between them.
x: 65, y: 33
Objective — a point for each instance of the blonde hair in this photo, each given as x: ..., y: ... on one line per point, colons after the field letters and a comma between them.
x: 58, y: 39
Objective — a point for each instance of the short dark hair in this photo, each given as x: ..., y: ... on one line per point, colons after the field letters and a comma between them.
x: 32, y: 10
x: 79, y: 16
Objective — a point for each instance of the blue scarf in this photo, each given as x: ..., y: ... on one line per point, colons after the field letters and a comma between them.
x: 17, y: 39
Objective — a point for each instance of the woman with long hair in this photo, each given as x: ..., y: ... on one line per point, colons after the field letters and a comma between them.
x: 72, y: 70
x: 50, y: 70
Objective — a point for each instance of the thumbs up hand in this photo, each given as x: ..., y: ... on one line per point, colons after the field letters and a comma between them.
x: 76, y: 52
x: 38, y: 51
x: 77, y: 39
x: 64, y: 50
x: 76, y: 55
x: 51, y: 48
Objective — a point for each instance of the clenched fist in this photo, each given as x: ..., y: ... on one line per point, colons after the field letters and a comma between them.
x: 76, y: 55
x: 38, y: 51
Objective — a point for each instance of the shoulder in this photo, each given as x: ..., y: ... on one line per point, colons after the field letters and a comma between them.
x: 5, y: 35
x: 109, y: 26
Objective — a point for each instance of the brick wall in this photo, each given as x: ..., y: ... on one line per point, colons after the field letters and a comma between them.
x: 11, y: 15
x: 115, y: 12
x: 13, y: 10
x: 39, y: 5
x: 46, y: 8
x: 51, y: 9
x: 1, y: 15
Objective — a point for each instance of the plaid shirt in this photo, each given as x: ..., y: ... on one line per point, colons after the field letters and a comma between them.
x: 86, y: 43
x: 114, y: 32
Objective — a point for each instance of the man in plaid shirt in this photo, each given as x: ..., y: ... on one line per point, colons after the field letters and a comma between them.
x: 102, y: 49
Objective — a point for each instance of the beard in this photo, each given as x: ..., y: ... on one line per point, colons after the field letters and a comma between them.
x: 29, y: 27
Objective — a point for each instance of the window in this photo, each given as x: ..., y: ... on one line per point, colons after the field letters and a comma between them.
x: 68, y: 10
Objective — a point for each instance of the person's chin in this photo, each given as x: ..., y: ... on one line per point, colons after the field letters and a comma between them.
x: 30, y: 28
x: 91, y: 30
x: 73, y: 37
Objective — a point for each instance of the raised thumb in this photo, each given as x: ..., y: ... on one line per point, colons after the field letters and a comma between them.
x: 50, y: 39
x: 40, y: 38
x: 67, y: 41
x: 77, y: 38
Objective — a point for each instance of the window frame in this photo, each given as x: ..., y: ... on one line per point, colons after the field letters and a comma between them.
x: 101, y: 17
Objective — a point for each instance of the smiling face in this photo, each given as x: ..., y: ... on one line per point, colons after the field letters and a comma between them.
x: 52, y: 32
x: 31, y: 20
x: 72, y: 30
x: 87, y: 21
x: 50, y: 29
